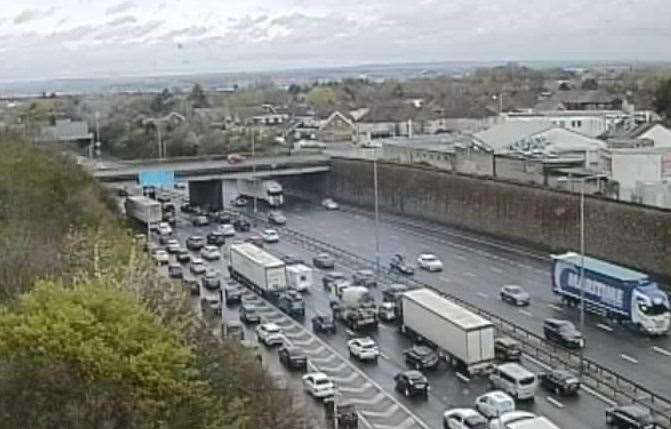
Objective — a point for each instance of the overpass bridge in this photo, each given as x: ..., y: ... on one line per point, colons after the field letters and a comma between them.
x: 215, y: 168
x: 206, y: 175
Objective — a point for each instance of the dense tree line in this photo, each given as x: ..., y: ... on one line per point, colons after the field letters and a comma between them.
x: 91, y: 335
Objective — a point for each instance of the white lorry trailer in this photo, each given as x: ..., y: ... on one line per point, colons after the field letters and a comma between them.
x: 144, y: 210
x: 466, y: 339
x: 299, y: 277
x: 267, y: 190
x: 257, y: 269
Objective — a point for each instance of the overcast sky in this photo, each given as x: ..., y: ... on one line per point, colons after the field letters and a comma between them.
x: 88, y: 38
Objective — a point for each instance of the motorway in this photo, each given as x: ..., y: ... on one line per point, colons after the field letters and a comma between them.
x: 370, y: 386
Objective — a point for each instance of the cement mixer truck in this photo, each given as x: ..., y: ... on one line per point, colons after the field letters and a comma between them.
x: 355, y: 307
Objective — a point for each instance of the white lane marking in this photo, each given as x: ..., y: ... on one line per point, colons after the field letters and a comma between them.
x: 554, y: 402
x: 482, y: 295
x: 496, y: 269
x: 628, y: 358
x: 526, y: 313
x: 604, y: 327
x: 555, y: 307
x: 469, y: 274
x: 381, y: 414
x: 445, y: 279
x: 662, y: 351
x: 463, y: 378
x: 460, y: 257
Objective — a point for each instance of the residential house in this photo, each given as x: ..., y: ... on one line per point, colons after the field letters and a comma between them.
x: 388, y: 121
x: 592, y: 123
x: 598, y: 99
x: 336, y: 128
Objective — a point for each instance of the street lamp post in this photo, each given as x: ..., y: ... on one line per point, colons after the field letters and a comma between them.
x: 254, y: 171
x: 377, y: 230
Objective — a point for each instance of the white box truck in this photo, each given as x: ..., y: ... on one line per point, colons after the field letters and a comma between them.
x: 466, y: 339
x: 257, y: 269
x: 299, y: 277
x: 144, y: 210
x: 269, y: 191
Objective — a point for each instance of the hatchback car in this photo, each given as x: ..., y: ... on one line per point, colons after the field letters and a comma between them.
x: 421, y: 357
x: 227, y: 230
x: 173, y: 246
x: 464, y: 418
x: 210, y: 253
x: 412, y: 383
x: 183, y: 256
x: 269, y: 334
x: 195, y: 242
x: 241, y: 224
x: 277, y: 218
x: 232, y: 293
x: 197, y: 266
x: 429, y: 262
x: 629, y: 417
x: 515, y: 295
x: 563, y: 332
x: 561, y: 382
x: 270, y: 236
x: 293, y: 357
x: 212, y: 280
x: 363, y: 349
x: 216, y: 238
x: 318, y: 384
x: 399, y: 265
x: 494, y: 403
x: 175, y: 271
x: 249, y: 313
x: 323, y: 261
x: 323, y: 324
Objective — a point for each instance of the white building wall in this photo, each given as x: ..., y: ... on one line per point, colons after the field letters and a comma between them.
x: 630, y: 168
x: 659, y: 134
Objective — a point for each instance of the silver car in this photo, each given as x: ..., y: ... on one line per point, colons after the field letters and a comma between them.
x: 515, y: 295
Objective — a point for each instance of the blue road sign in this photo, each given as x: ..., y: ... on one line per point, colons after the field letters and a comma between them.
x: 157, y: 178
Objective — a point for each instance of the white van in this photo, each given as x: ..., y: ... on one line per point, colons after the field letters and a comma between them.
x: 494, y: 404
x: 516, y: 380
x: 299, y: 277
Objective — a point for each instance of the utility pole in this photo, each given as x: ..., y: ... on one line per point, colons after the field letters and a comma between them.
x: 254, y: 171
x: 377, y: 229
x: 582, y: 269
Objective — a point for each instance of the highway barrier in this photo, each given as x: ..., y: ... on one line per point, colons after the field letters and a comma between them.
x: 602, y: 380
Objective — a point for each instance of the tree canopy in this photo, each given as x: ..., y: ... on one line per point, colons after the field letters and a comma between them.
x: 662, y: 101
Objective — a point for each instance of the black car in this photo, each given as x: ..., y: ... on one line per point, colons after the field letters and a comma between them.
x: 561, y: 382
x: 292, y: 260
x: 216, y: 238
x: 630, y: 417
x: 412, y: 383
x: 232, y: 293
x: 241, y: 225
x: 211, y: 280
x: 293, y: 357
x: 186, y: 208
x: 222, y: 217
x: 364, y: 278
x: 175, y: 271
x: 183, y: 256
x: 563, y: 332
x: 163, y: 198
x: 191, y: 285
x: 507, y: 349
x: 195, y: 242
x: 164, y: 238
x: 323, y: 324
x: 277, y: 218
x: 291, y: 303
x: 323, y: 261
x: 332, y: 277
x: 399, y: 265
x: 421, y: 357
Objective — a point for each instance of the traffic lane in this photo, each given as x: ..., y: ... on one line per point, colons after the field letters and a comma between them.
x: 446, y: 388
x: 468, y: 277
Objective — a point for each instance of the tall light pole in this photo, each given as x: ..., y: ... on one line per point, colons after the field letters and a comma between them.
x: 377, y: 231
x: 254, y: 171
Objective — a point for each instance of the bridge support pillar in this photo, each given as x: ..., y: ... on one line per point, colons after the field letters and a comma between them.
x: 207, y: 194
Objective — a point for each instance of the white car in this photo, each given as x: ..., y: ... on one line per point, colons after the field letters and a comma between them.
x: 197, y: 266
x: 173, y: 246
x: 161, y: 256
x: 463, y: 418
x: 502, y: 421
x: 494, y: 403
x: 429, y: 262
x: 164, y: 228
x: 270, y: 236
x: 269, y: 334
x: 227, y: 230
x: 329, y: 204
x: 210, y: 253
x: 318, y: 385
x: 363, y: 348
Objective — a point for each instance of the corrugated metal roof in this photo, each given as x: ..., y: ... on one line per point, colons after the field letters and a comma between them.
x: 504, y: 135
x: 597, y: 265
x: 466, y: 319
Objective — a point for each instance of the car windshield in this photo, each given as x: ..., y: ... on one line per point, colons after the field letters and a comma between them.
x: 272, y: 329
x: 526, y: 381
x: 322, y: 381
x: 429, y: 258
x: 513, y: 289
x: 476, y: 422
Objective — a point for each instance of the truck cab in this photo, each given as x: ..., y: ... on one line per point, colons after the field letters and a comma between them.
x: 291, y: 302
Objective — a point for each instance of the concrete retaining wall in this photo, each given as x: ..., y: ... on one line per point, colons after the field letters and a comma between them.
x: 624, y: 233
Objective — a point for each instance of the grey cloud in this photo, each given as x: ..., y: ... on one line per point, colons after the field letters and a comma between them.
x: 120, y: 7
x: 193, y: 31
x: 128, y: 19
x: 30, y: 15
x: 127, y: 34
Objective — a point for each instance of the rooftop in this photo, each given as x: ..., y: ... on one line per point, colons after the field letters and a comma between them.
x: 431, y: 300
x: 435, y: 143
